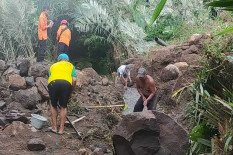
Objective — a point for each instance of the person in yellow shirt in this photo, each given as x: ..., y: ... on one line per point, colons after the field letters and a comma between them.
x: 42, y: 33
x: 61, y: 83
x: 63, y: 37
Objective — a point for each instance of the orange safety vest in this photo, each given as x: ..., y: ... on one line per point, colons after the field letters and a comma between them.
x: 42, y: 30
x: 65, y: 36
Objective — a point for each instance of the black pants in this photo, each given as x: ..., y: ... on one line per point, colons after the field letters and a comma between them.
x: 59, y: 90
x: 151, y: 105
x: 62, y: 48
x: 42, y: 49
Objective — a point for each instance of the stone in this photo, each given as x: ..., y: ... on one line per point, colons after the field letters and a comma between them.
x: 82, y: 151
x: 41, y: 89
x: 17, y: 82
x: 105, y: 81
x: 2, y: 105
x: 30, y: 81
x: 3, y: 122
x: 137, y: 133
x: 11, y: 117
x: 98, y: 151
x: 181, y: 65
x: 2, y: 65
x: 170, y: 72
x: 28, y: 98
x: 36, y: 144
x: 81, y: 80
x: 24, y: 67
x: 91, y: 73
x: 15, y: 128
x: 185, y: 47
x: 11, y: 71
x: 194, y: 39
x: 173, y: 138
x: 38, y: 70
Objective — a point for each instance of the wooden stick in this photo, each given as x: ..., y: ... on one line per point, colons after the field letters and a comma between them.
x: 105, y: 106
x: 79, y: 119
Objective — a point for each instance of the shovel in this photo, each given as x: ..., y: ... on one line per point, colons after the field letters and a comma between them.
x: 78, y: 133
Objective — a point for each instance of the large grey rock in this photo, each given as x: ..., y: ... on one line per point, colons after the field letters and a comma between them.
x: 173, y: 138
x: 3, y: 122
x: 24, y: 67
x: 36, y: 144
x: 137, y: 134
x: 2, y: 65
x: 38, y: 70
x: 149, y: 133
x: 11, y: 117
x: 170, y: 72
x: 43, y: 92
x: 2, y: 105
x: 17, y: 82
x: 28, y: 98
x: 30, y: 81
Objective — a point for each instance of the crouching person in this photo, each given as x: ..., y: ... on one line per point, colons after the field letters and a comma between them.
x: 61, y: 83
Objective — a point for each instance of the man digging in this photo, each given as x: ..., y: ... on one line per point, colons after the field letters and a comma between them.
x: 61, y: 83
x: 146, y: 88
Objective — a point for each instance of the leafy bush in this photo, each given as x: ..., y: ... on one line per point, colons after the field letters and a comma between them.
x: 165, y: 28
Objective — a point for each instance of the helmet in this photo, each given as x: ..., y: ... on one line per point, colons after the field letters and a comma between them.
x: 63, y: 56
x: 64, y: 22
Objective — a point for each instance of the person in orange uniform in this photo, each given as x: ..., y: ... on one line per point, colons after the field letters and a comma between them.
x: 42, y: 33
x: 63, y: 37
x: 61, y: 83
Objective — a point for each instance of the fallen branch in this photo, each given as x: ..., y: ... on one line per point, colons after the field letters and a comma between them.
x: 77, y: 120
x: 105, y: 106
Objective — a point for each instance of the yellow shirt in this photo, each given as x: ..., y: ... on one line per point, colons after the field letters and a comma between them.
x: 65, y: 36
x: 62, y: 70
x: 42, y: 30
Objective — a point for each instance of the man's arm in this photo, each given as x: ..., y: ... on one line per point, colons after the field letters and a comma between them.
x: 74, y: 80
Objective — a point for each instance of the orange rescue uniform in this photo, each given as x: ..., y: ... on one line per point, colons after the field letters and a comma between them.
x: 42, y: 30
x: 65, y: 36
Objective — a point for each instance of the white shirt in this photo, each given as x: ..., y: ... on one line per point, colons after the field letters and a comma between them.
x: 122, y: 70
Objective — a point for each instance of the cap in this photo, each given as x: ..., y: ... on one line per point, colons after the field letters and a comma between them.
x: 62, y: 57
x: 64, y: 22
x: 141, y: 72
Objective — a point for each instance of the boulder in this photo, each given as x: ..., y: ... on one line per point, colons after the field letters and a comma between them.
x: 3, y: 122
x: 170, y: 72
x: 91, y: 73
x: 105, y: 81
x: 11, y: 117
x: 2, y: 65
x: 24, y: 67
x: 17, y: 82
x: 11, y: 71
x: 30, y: 81
x: 181, y: 65
x: 15, y: 128
x: 38, y: 70
x: 137, y: 133
x: 149, y: 133
x: 2, y: 105
x: 173, y: 138
x: 28, y: 98
x: 98, y: 151
x: 43, y: 92
x: 36, y: 144
x: 194, y: 39
x: 81, y: 80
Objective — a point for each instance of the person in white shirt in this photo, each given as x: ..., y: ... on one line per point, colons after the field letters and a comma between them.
x: 123, y: 72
